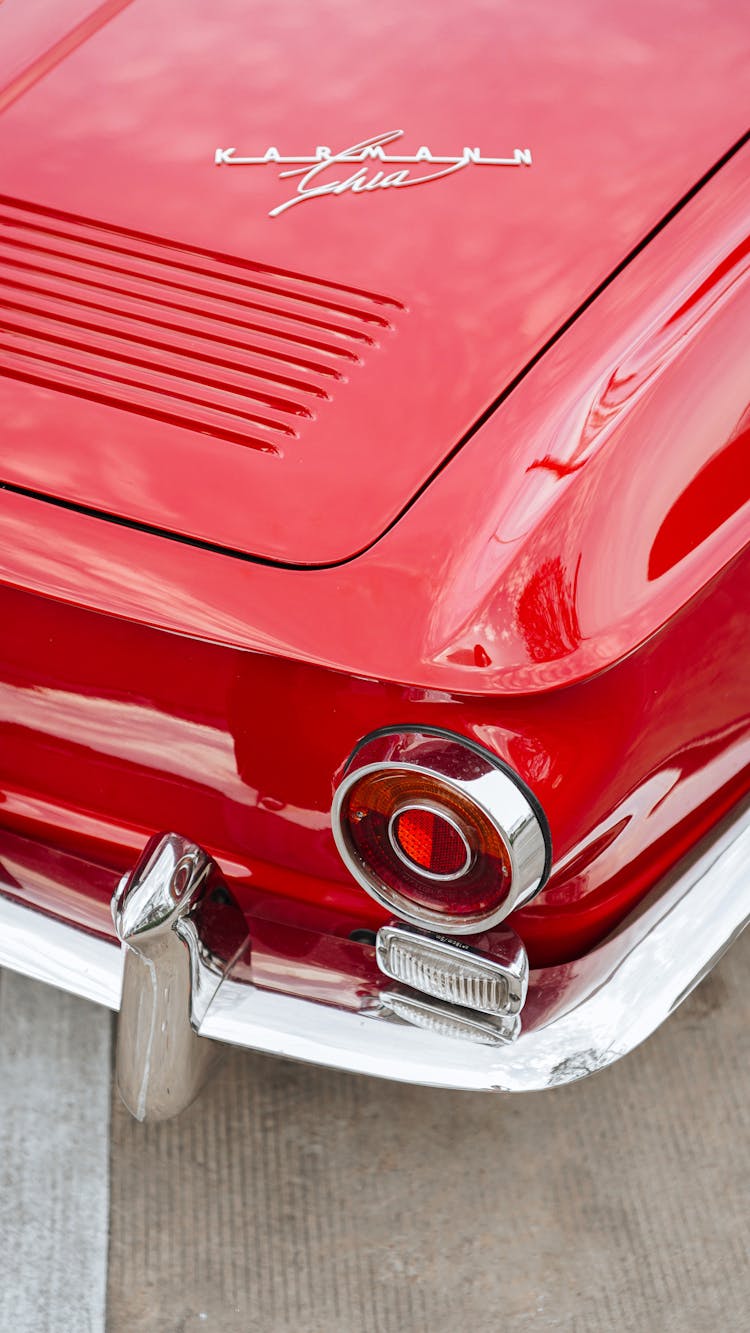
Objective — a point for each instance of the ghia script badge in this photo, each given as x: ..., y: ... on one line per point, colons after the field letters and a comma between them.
x: 315, y: 172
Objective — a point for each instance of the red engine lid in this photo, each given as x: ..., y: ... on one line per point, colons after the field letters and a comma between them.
x: 283, y: 385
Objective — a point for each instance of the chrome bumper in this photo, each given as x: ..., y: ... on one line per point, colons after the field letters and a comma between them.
x: 578, y: 1017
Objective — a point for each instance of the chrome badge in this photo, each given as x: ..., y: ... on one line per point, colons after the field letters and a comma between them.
x: 315, y: 179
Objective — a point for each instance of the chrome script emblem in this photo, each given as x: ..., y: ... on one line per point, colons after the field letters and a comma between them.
x: 316, y: 175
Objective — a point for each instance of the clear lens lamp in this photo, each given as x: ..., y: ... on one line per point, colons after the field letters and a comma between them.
x: 489, y: 976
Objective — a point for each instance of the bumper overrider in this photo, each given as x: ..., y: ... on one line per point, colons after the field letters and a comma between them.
x: 182, y: 979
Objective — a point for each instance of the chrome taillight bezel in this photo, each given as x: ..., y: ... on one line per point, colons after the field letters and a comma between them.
x: 475, y: 774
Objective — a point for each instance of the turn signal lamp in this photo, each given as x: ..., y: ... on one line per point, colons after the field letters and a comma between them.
x: 436, y: 828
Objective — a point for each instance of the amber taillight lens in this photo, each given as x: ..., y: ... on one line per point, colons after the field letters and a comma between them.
x: 422, y: 831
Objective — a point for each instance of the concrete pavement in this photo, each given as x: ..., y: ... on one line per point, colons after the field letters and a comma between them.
x: 294, y: 1198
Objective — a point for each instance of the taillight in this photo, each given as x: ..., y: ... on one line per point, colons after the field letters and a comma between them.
x: 436, y: 828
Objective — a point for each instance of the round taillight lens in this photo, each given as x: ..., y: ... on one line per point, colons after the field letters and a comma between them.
x: 427, y: 842
x: 437, y: 830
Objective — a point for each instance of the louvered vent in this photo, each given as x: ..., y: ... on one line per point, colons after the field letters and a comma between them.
x: 229, y: 348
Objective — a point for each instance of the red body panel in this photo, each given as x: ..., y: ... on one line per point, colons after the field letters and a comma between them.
x: 623, y: 107
x: 562, y: 534
x: 589, y: 535
x: 125, y: 730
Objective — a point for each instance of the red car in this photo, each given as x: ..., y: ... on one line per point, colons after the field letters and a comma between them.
x: 373, y: 527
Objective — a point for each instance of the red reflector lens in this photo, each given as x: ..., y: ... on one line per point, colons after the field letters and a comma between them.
x: 430, y: 841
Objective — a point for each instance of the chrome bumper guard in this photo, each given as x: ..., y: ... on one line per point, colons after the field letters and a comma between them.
x: 181, y: 986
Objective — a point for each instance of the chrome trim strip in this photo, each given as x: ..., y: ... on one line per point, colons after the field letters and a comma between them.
x: 49, y: 950
x: 578, y: 1018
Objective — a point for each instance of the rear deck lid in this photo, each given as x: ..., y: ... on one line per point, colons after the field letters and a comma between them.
x: 196, y: 346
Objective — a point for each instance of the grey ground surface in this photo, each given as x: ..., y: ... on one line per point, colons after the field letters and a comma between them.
x: 54, y: 1157
x: 293, y: 1198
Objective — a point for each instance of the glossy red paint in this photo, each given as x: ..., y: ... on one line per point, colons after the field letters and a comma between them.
x: 571, y: 589
x: 111, y: 730
x: 337, y: 393
x: 550, y: 546
x: 304, y: 951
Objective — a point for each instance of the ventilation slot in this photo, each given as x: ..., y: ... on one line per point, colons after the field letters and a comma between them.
x: 221, y: 346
